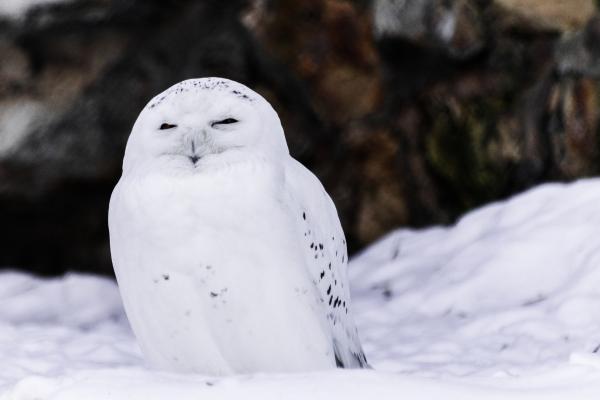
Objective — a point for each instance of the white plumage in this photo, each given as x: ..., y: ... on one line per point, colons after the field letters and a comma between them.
x: 229, y: 254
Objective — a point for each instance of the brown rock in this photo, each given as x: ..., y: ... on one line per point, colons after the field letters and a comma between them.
x: 561, y: 16
x: 409, y: 117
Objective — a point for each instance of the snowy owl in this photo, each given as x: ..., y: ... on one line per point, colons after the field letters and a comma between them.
x: 229, y: 254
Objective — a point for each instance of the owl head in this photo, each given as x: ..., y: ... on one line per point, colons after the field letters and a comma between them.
x: 200, y: 122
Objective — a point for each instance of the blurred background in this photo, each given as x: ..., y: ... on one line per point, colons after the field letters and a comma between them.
x: 411, y: 112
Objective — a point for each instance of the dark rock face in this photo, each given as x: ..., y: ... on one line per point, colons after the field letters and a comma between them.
x: 86, y: 70
x: 411, y: 112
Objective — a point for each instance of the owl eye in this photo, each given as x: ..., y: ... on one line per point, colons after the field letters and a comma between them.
x: 225, y: 121
x: 167, y: 126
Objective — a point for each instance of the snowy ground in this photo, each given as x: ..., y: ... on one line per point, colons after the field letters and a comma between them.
x: 505, y: 305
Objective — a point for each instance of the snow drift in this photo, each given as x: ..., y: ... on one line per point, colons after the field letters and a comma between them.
x: 504, y: 303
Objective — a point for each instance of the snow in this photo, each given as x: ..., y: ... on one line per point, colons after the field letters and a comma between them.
x: 502, y: 305
x: 513, y: 287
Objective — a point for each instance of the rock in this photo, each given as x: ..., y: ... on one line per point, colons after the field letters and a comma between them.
x: 451, y: 26
x: 410, y: 112
x: 560, y: 16
x: 92, y: 67
x: 579, y: 53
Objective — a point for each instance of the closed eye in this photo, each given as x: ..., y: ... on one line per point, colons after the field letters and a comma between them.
x: 225, y: 121
x: 167, y: 126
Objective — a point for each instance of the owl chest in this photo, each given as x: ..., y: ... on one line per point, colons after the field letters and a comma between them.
x: 188, y: 211
x: 207, y: 222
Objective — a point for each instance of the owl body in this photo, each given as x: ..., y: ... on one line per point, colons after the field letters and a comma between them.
x: 227, y: 263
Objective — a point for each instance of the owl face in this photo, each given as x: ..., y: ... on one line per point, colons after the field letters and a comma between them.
x: 203, y: 121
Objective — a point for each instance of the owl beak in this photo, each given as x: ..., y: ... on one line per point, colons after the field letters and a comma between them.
x: 193, y: 157
x: 195, y: 146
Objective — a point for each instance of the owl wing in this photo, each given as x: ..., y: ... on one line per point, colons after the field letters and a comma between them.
x: 324, y: 247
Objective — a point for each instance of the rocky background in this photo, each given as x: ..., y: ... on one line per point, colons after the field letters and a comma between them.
x: 410, y: 111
